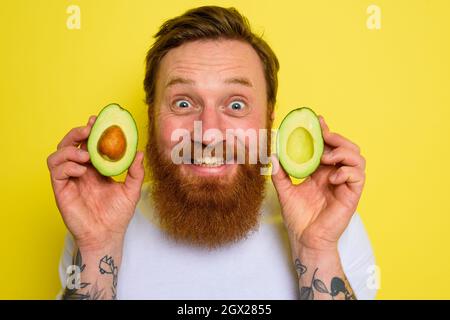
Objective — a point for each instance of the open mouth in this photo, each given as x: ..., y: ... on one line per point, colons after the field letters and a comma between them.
x: 208, y: 162
x: 209, y: 166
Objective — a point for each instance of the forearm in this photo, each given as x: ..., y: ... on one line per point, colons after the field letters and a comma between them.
x: 321, y: 275
x: 93, y: 275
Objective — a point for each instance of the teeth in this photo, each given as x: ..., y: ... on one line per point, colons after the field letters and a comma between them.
x: 209, y: 161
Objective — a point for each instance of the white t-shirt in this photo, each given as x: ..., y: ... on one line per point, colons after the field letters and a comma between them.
x: 258, y: 267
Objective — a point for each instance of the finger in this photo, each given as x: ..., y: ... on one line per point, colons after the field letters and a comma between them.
x: 90, y: 123
x: 280, y: 178
x: 67, y: 170
x: 77, y: 135
x: 335, y: 139
x: 135, y: 175
x: 327, y: 148
x: 321, y: 174
x: 69, y: 153
x: 83, y: 146
x: 323, y: 124
x: 343, y: 156
x: 354, y: 177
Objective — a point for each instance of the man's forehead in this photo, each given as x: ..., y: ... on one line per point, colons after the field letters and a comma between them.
x: 231, y: 61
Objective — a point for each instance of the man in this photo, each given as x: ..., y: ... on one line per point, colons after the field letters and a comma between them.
x: 210, y: 228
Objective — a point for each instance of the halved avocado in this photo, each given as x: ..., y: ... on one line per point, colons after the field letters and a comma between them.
x: 300, y: 143
x: 112, y: 143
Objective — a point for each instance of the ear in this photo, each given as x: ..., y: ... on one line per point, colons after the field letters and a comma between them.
x: 272, y: 115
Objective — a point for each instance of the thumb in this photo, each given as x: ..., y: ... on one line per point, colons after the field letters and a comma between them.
x: 280, y: 178
x: 135, y: 175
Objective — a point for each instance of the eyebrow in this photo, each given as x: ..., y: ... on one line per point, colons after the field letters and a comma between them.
x: 234, y: 80
x: 179, y: 80
x: 239, y: 80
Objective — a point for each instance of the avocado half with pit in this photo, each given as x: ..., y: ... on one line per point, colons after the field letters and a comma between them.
x: 112, y: 143
x: 300, y: 143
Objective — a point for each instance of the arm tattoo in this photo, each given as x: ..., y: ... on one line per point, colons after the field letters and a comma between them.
x: 337, y: 285
x: 106, y: 266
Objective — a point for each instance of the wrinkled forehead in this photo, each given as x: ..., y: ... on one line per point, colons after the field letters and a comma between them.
x: 211, y: 64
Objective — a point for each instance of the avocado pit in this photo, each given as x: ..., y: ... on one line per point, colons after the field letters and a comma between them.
x: 112, y: 143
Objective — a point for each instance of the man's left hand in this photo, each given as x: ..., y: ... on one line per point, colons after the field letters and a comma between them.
x: 317, y: 211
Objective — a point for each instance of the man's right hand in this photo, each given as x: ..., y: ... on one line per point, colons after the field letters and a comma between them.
x: 95, y: 209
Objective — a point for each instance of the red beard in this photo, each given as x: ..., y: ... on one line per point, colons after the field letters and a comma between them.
x: 205, y: 211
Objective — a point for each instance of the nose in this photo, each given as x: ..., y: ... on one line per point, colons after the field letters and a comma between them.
x: 211, y: 125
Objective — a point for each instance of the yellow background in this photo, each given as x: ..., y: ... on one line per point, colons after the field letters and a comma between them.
x: 388, y: 90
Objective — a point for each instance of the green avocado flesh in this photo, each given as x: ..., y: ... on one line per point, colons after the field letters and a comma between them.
x: 112, y: 143
x: 300, y: 143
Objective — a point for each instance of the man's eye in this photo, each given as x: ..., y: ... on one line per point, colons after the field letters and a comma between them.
x: 183, y: 104
x: 237, y: 105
